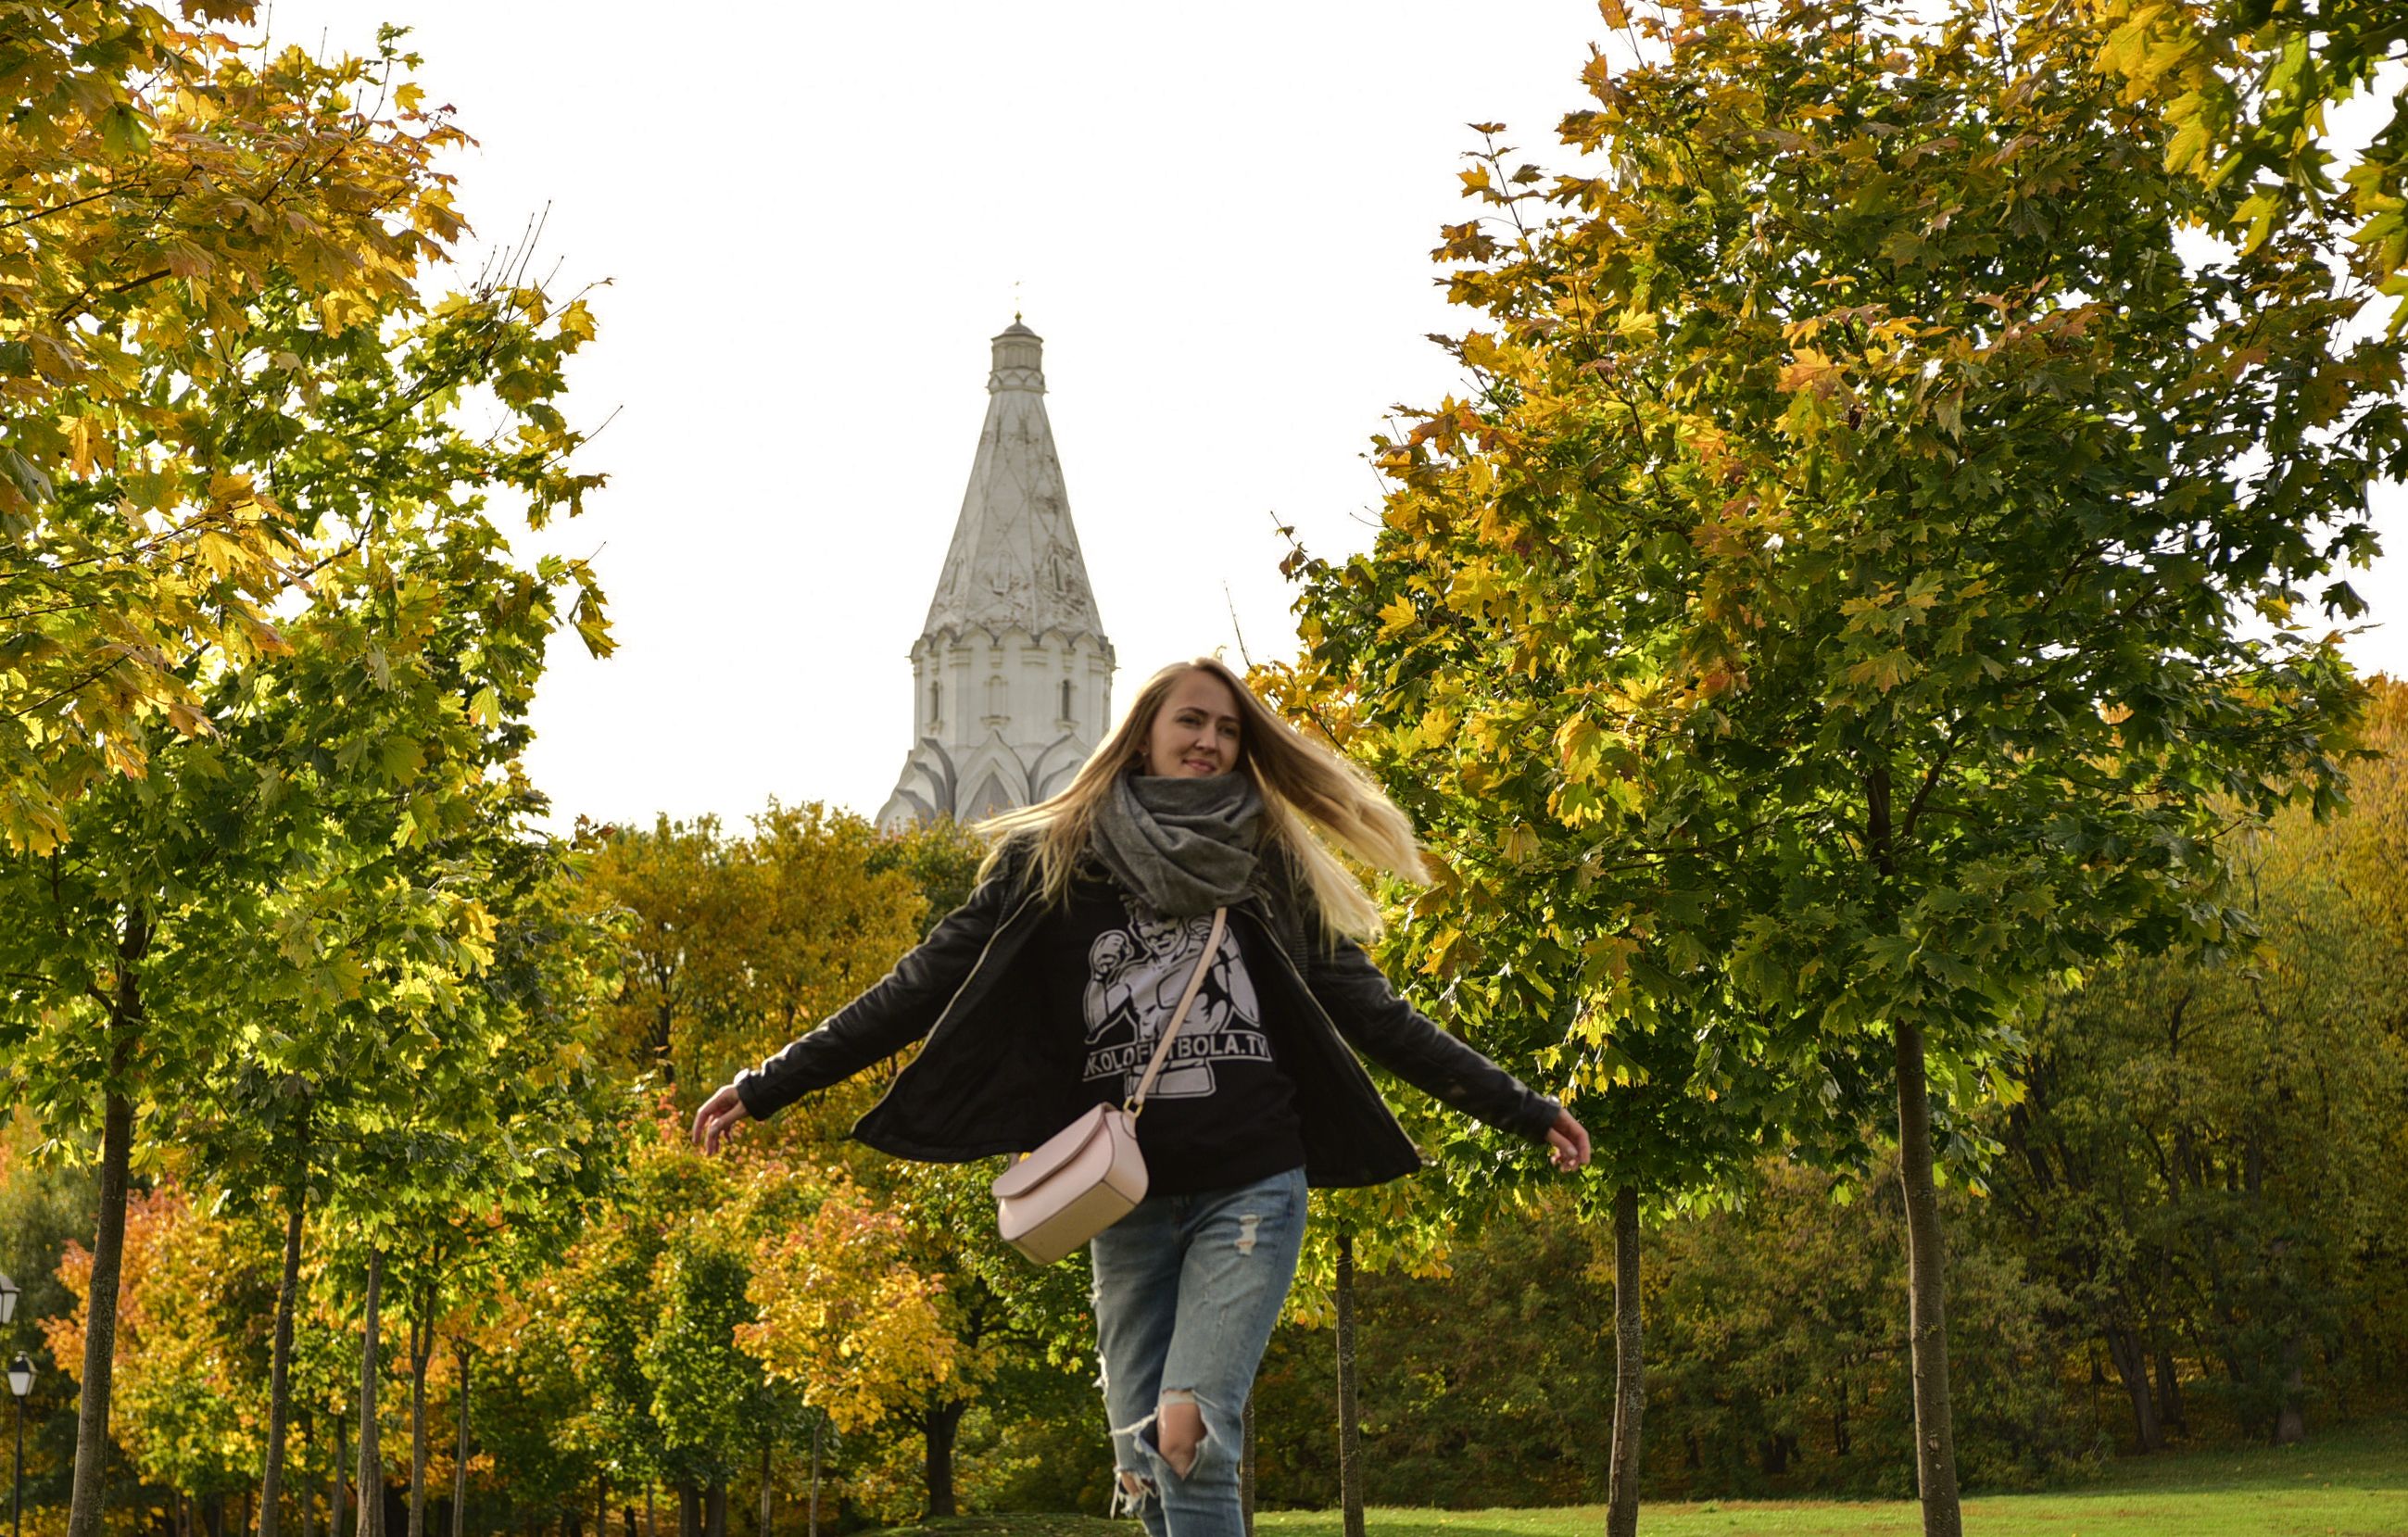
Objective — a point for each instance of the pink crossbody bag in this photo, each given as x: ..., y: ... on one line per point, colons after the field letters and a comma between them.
x: 1090, y: 1174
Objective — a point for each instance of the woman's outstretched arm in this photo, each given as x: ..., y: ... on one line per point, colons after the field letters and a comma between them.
x: 1379, y: 1024
x: 899, y: 1009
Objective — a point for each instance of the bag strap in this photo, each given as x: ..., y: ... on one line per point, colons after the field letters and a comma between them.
x: 1136, y: 1102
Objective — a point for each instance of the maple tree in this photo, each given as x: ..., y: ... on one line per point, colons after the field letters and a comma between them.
x: 330, y: 819
x: 168, y: 190
x: 299, y: 782
x: 714, y: 1304
x: 508, y: 1136
x: 442, y: 1100
x: 735, y: 944
x: 841, y: 1312
x: 995, y: 1310
x: 1681, y: 1111
x: 1874, y: 565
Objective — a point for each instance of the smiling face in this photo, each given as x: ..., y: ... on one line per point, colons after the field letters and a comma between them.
x: 1195, y: 733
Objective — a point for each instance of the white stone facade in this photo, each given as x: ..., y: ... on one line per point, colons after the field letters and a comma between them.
x: 1012, y: 676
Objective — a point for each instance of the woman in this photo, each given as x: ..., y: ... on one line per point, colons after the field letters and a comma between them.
x: 1045, y: 993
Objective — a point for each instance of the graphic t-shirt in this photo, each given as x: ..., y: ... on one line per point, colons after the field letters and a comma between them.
x: 1221, y: 1112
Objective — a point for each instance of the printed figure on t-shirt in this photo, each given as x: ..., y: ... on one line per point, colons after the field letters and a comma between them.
x: 1135, y: 977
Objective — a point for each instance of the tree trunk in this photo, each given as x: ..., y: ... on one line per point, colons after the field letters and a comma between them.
x: 689, y: 1511
x: 303, y: 1499
x: 2132, y: 1366
x: 334, y: 1491
x: 370, y: 1481
x: 1350, y: 1429
x: 280, y: 1371
x: 2290, y: 1424
x: 819, y: 1426
x: 87, y: 1492
x: 100, y: 1328
x: 714, y: 1509
x: 460, y: 1354
x: 422, y: 1353
x: 1776, y: 1450
x: 1246, y: 1468
x: 1629, y: 1377
x: 2170, y: 1403
x: 1935, y: 1435
x: 941, y: 1422
x: 763, y: 1530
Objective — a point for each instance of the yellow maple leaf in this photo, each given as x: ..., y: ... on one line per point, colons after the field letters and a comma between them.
x: 1812, y: 370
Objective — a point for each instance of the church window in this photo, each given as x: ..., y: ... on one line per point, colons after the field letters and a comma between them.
x: 935, y: 703
x: 1066, y: 698
x: 990, y: 798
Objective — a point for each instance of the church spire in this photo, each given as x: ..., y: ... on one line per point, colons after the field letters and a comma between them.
x: 1012, y: 676
x: 1014, y: 563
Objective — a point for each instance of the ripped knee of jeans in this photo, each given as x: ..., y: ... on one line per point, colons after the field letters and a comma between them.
x: 1179, y: 1433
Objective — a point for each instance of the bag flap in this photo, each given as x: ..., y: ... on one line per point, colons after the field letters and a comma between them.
x: 1057, y: 1150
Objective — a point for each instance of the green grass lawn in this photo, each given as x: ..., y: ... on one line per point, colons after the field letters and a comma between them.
x: 2348, y: 1484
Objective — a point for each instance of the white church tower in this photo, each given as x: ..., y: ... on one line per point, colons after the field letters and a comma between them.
x: 1012, y: 676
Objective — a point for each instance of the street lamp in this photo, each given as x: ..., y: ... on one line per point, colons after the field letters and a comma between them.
x: 21, y: 1382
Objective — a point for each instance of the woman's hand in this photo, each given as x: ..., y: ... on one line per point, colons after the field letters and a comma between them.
x: 722, y: 1110
x: 1567, y: 1142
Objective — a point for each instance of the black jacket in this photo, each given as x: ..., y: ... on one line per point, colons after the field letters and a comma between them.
x: 974, y: 1091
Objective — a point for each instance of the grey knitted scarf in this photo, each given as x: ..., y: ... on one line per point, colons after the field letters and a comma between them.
x: 1185, y: 844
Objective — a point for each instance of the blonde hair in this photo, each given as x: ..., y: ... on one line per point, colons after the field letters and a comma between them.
x: 1309, y: 793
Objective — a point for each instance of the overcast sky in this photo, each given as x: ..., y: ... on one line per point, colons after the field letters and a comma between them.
x: 811, y: 218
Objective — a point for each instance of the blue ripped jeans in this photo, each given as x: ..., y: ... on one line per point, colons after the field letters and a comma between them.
x: 1187, y: 1289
